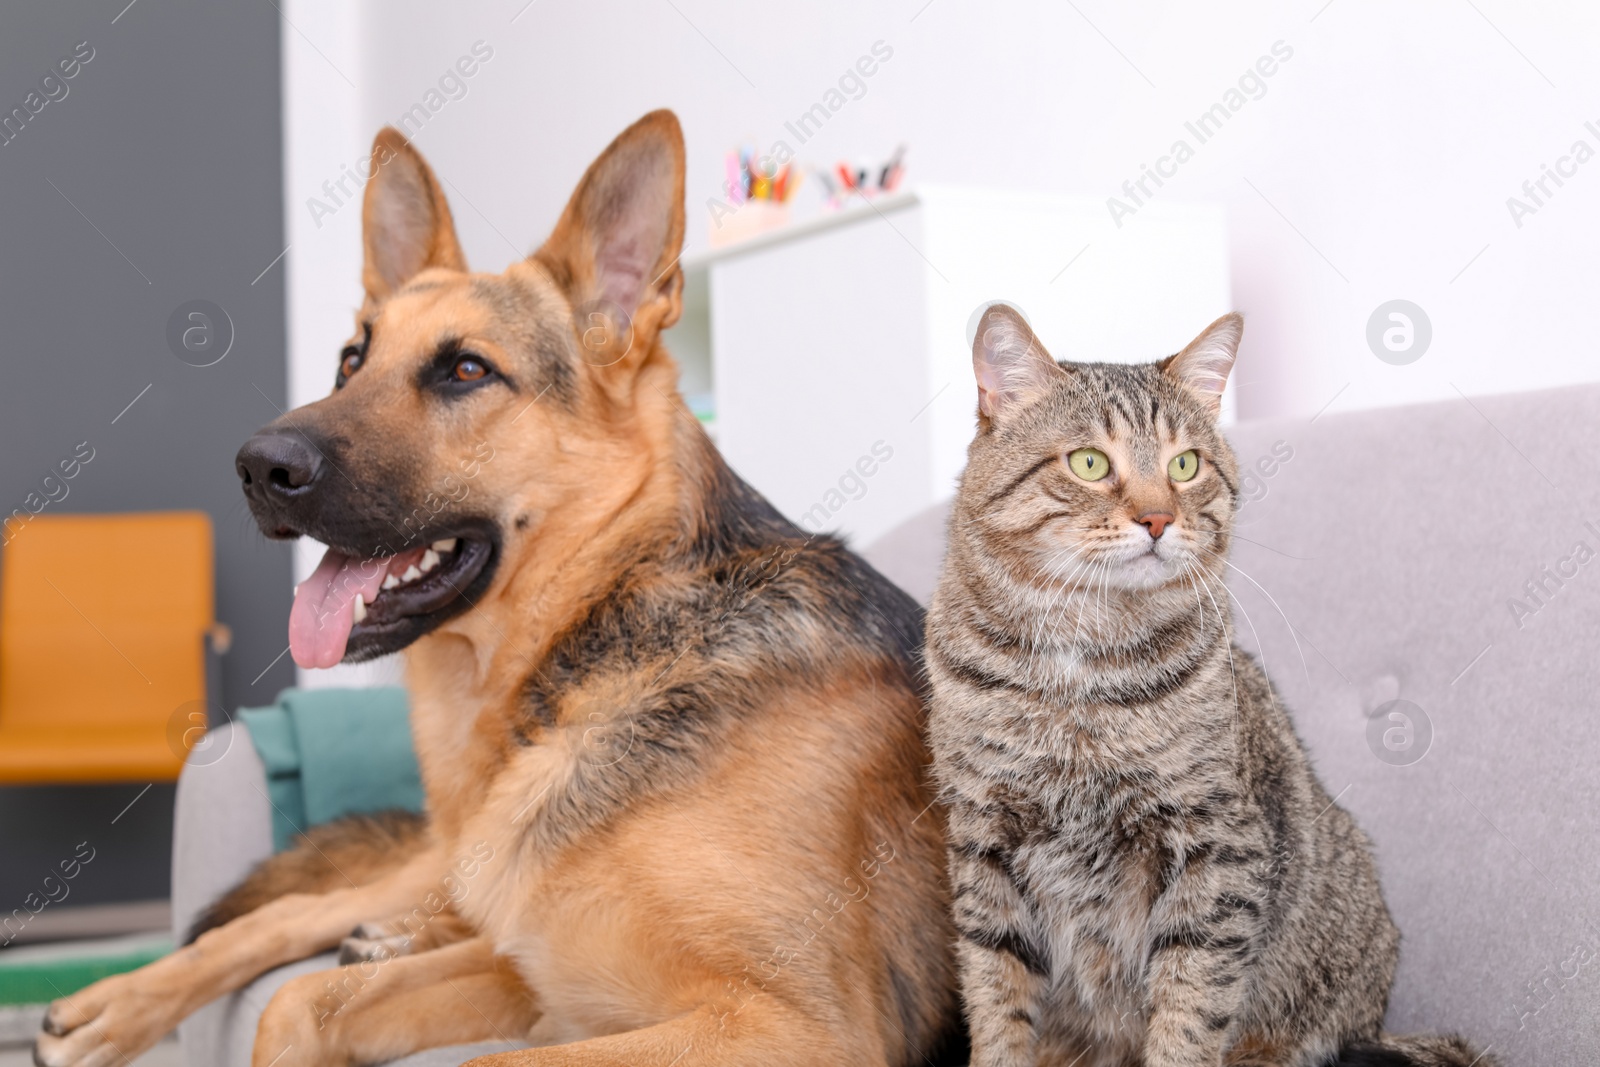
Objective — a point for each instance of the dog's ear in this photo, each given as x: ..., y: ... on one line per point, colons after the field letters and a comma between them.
x: 615, y: 249
x: 405, y: 221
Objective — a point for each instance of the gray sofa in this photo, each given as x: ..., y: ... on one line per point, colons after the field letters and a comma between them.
x: 1422, y: 585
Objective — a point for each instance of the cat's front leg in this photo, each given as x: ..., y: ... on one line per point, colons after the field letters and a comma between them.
x: 1000, y: 954
x: 1002, y: 1003
x: 1205, y: 937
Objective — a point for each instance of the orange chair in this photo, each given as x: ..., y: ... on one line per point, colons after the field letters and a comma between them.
x: 104, y: 624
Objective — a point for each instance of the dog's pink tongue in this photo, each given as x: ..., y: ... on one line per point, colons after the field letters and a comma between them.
x: 324, y: 606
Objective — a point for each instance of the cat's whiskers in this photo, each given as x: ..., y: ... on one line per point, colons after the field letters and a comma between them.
x: 1083, y: 588
x: 1187, y: 575
x: 1084, y: 563
x: 1092, y: 562
x: 1240, y: 537
x: 1035, y: 599
x: 1070, y: 589
x: 1100, y: 595
x: 1104, y: 591
x: 1059, y: 585
x: 1261, y: 650
x: 1273, y: 601
x: 1078, y: 629
x: 1074, y: 555
x: 1040, y: 622
x: 1227, y: 640
x: 1098, y: 592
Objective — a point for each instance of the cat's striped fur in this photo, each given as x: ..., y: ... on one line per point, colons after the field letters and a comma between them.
x: 1146, y: 870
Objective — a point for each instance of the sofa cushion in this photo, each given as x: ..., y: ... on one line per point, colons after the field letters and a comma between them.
x: 334, y: 752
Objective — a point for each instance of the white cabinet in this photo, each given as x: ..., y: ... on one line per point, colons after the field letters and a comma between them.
x: 832, y: 358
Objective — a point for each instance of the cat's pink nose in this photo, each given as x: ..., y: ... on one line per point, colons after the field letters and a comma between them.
x: 1155, y: 522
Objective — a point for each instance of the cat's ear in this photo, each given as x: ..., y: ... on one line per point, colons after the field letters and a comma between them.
x: 1203, y: 366
x: 1010, y: 364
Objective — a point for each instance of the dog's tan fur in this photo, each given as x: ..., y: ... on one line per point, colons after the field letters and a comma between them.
x: 672, y: 753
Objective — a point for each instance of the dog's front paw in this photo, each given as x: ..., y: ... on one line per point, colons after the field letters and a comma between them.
x: 108, y: 1023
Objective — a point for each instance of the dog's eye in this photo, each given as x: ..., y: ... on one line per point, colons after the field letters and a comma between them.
x: 457, y: 371
x: 352, y: 356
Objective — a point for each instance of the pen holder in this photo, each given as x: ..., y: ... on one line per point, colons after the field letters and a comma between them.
x: 747, y: 220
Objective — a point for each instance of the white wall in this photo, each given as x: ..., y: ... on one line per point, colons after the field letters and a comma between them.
x: 325, y: 78
x: 1377, y: 165
x: 1390, y: 140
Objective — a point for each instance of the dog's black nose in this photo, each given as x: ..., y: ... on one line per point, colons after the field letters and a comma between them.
x: 276, y: 463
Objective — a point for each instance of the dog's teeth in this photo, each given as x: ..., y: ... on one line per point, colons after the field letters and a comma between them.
x: 390, y: 582
x: 361, y: 608
x: 411, y: 574
x: 430, y: 560
x: 445, y: 547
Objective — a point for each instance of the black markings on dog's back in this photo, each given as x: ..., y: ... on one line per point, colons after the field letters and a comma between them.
x: 541, y: 711
x: 697, y: 633
x: 729, y: 518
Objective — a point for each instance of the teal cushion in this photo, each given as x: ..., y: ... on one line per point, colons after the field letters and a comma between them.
x: 334, y: 752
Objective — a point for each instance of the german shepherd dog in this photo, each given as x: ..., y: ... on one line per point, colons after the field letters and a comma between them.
x: 677, y: 805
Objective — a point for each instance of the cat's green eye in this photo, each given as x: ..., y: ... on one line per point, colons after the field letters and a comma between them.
x: 1090, y: 464
x: 1184, y: 466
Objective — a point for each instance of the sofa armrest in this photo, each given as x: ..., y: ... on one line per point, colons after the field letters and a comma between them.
x: 222, y: 825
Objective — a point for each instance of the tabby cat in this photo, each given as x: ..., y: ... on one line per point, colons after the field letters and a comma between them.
x: 1145, y: 869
